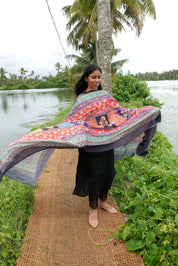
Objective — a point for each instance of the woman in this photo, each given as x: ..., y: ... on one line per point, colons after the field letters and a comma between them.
x: 96, y: 125
x: 95, y: 170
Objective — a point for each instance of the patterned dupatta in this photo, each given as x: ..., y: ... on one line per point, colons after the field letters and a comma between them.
x: 96, y: 123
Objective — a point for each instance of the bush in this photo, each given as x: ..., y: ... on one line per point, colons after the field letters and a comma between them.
x: 127, y: 88
x: 45, y: 84
x: 50, y: 84
x: 9, y: 86
x: 147, y: 189
x: 22, y: 86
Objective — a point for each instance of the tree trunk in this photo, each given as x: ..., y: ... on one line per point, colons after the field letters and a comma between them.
x: 105, y: 42
x: 97, y: 50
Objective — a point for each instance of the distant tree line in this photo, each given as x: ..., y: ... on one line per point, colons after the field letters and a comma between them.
x: 30, y: 80
x: 83, y: 25
x: 166, y: 75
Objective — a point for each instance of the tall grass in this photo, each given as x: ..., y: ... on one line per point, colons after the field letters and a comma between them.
x: 16, y: 205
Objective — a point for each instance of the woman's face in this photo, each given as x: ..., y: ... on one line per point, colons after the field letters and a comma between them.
x: 93, y: 80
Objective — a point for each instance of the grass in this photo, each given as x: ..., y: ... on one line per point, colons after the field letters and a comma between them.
x: 16, y: 206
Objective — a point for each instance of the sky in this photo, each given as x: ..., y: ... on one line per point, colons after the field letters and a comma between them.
x: 28, y: 38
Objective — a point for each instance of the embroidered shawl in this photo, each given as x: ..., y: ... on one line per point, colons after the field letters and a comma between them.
x: 96, y: 123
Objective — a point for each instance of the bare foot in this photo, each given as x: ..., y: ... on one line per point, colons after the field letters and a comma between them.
x: 93, y: 217
x: 108, y: 208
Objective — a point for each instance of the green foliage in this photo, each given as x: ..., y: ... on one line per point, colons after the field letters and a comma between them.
x: 20, y: 86
x: 50, y: 84
x: 166, y: 75
x: 24, y: 81
x: 128, y: 89
x: 39, y: 84
x: 9, y: 86
x: 16, y: 205
x: 147, y: 189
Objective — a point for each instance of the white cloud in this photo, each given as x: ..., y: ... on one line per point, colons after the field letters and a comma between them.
x: 29, y: 39
x: 28, y: 35
x: 156, y: 48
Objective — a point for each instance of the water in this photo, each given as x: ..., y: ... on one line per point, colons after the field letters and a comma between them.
x: 167, y: 92
x: 21, y: 110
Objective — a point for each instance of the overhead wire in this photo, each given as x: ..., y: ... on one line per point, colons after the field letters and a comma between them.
x: 57, y: 33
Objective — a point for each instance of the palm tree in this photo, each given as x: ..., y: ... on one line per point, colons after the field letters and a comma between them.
x: 31, y: 74
x: 116, y: 64
x: 3, y: 77
x: 82, y: 18
x: 88, y: 56
x: 105, y: 42
x: 23, y: 74
x: 136, y: 10
x: 89, y: 18
x: 58, y: 68
x: 83, y: 26
x: 81, y: 61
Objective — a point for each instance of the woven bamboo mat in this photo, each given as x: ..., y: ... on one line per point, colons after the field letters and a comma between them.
x: 58, y: 232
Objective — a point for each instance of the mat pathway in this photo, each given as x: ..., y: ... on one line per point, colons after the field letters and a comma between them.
x: 58, y: 232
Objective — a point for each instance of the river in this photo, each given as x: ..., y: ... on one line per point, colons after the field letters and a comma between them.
x: 167, y: 92
x: 21, y: 110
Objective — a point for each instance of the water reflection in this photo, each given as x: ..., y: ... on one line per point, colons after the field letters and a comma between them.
x: 22, y: 110
x: 4, y: 103
x: 26, y: 98
x: 26, y: 106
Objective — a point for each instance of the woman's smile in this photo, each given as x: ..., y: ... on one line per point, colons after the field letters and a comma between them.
x: 93, y: 80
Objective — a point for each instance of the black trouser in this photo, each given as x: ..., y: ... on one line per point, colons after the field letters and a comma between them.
x: 93, y: 198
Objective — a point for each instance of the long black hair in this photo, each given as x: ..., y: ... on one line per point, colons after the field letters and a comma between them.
x: 81, y: 84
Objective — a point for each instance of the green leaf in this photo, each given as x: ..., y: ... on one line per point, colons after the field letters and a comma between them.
x: 130, y: 245
x: 134, y: 245
x: 151, y: 210
x: 176, y: 219
x: 132, y: 217
x: 110, y: 239
x: 138, y: 209
x: 131, y: 176
x: 123, y: 207
x: 174, y: 252
x: 150, y: 238
x: 126, y: 232
x: 4, y: 254
x: 116, y: 235
x: 153, y: 249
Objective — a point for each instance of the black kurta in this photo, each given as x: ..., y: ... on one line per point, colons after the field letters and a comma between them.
x: 95, y: 172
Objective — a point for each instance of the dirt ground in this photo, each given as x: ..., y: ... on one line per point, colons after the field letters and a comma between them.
x: 58, y: 232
